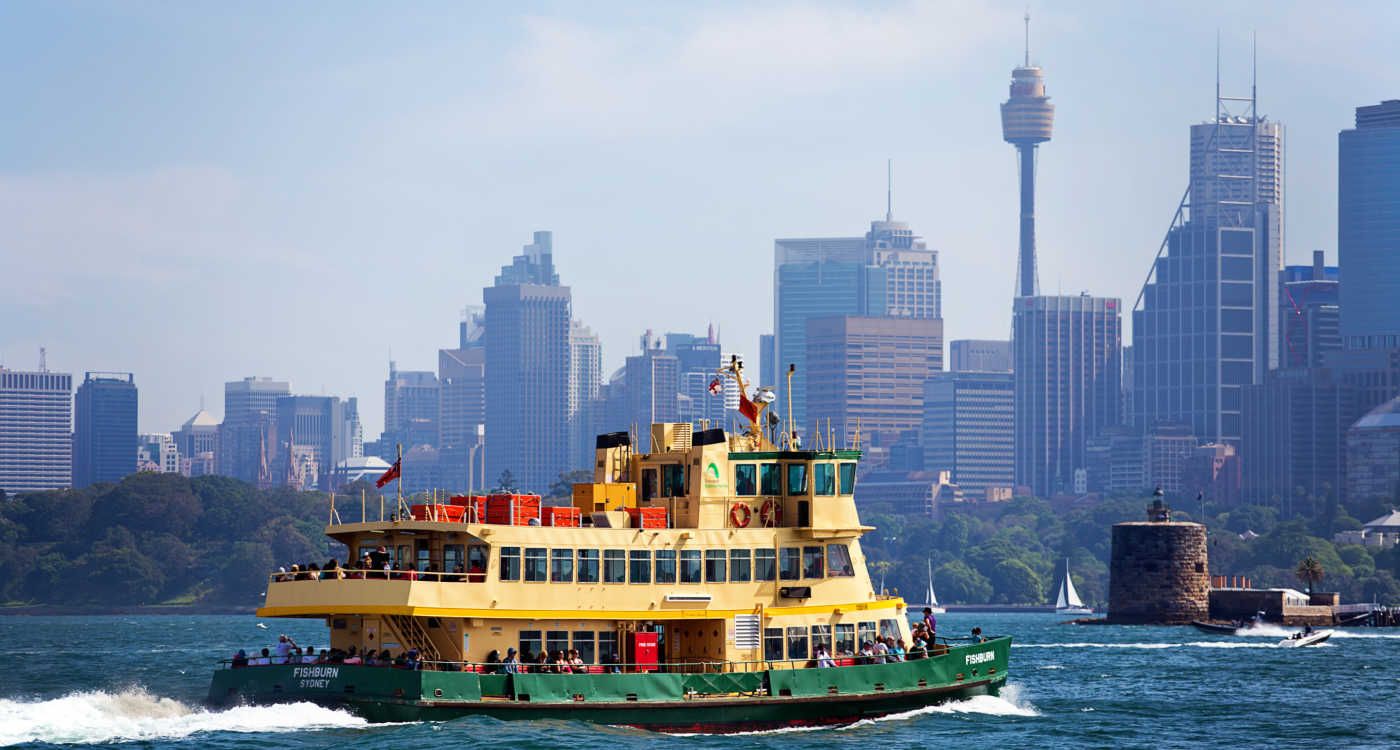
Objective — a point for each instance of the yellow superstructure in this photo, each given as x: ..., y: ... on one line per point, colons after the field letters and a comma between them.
x: 757, y: 561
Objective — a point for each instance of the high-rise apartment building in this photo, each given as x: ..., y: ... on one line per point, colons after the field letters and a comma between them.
x: 585, y: 380
x: 968, y: 428
x: 247, y: 440
x: 1207, y: 322
x: 411, y: 408
x: 36, y: 430
x: 104, y: 428
x: 866, y: 375
x: 1309, y: 305
x: 528, y: 318
x: 1067, y: 364
x: 979, y: 355
x: 889, y: 272
x: 1368, y: 223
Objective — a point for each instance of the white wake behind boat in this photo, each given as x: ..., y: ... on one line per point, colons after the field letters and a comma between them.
x: 932, y: 597
x: 1067, y: 601
x: 1299, y: 640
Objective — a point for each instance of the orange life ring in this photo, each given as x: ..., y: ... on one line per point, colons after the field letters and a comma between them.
x: 771, y: 514
x: 740, y: 514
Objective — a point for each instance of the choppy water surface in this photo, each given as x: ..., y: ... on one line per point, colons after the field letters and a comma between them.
x: 140, y: 681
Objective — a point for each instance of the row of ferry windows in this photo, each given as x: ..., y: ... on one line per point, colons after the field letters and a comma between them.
x: 767, y: 479
x: 541, y: 564
x: 801, y: 642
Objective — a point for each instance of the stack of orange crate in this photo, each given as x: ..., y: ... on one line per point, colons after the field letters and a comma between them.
x: 512, y: 510
x: 475, y: 505
x: 444, y: 513
x: 561, y: 516
x: 647, y: 518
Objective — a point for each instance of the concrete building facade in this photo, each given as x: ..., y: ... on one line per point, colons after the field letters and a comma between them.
x: 1368, y: 223
x: 104, y: 428
x: 969, y: 429
x: 36, y: 430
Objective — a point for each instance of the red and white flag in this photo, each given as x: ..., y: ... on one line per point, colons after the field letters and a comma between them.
x: 389, y: 476
x: 716, y: 387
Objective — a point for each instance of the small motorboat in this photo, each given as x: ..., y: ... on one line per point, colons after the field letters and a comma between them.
x: 1215, y: 628
x: 1305, y: 638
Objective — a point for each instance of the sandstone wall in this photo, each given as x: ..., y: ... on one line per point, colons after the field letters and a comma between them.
x: 1158, y: 573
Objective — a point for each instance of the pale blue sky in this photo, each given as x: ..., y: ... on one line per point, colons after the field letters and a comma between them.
x: 202, y: 191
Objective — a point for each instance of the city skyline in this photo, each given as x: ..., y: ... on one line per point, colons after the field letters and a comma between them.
x: 171, y: 220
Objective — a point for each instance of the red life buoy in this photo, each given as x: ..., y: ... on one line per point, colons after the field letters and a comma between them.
x: 771, y: 514
x: 740, y: 514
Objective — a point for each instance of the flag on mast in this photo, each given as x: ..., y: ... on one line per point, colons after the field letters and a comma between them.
x: 390, y: 475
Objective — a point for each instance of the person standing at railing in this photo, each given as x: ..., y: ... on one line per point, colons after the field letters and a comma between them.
x: 823, y: 658
x: 284, y: 648
x: 930, y: 623
x: 511, y: 665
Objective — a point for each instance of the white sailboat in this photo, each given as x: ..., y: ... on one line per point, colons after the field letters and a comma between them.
x: 932, y: 597
x: 1067, y: 601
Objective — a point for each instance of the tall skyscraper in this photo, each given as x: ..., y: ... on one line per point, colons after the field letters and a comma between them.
x: 867, y: 374
x: 36, y: 430
x: 411, y: 409
x: 585, y: 380
x: 888, y: 273
x: 247, y: 445
x: 652, y: 387
x: 104, y: 428
x: 1206, y: 323
x: 1295, y: 424
x: 528, y: 316
x: 968, y: 428
x: 1027, y: 119
x: 1309, y: 307
x: 198, y: 443
x: 979, y: 355
x: 1368, y: 223
x: 1068, y: 365
x: 314, y: 434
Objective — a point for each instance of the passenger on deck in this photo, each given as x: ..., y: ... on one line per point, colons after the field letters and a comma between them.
x: 379, y: 558
x: 308, y: 655
x: 823, y: 658
x: 353, y: 657
x: 284, y: 648
x: 240, y: 659
x: 542, y: 664
x: 511, y: 665
x: 977, y: 636
x: 896, y: 650
x: 919, y: 650
x: 930, y: 623
x: 411, y: 659
x: 866, y: 655
x: 259, y: 661
x: 459, y: 573
x: 332, y: 571
x: 576, y: 662
x: 881, y: 651
x: 560, y: 664
x: 610, y: 663
x: 493, y: 661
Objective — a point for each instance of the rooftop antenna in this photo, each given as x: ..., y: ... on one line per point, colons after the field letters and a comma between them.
x: 43, y: 359
x: 1028, y: 37
x: 889, y: 190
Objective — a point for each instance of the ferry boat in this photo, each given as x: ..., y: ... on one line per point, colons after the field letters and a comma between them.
x: 714, y: 583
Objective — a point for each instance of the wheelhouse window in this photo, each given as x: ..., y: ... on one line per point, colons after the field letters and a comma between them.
x: 848, y: 478
x: 838, y: 561
x: 672, y: 480
x: 535, y: 563
x: 866, y: 631
x: 531, y: 641
x: 714, y: 566
x: 607, y: 646
x: 740, y: 567
x: 797, y: 479
x: 639, y: 566
x: 454, y: 558
x: 510, y: 563
x: 812, y: 562
x: 765, y: 566
x: 773, y: 644
x: 614, y: 566
x: 845, y: 639
x: 561, y: 566
x: 889, y: 629
x: 665, y: 566
x: 585, y: 643
x: 824, y: 479
x: 797, y: 647
x: 648, y: 484
x: 770, y: 479
x: 477, y: 554
x: 745, y: 479
x: 588, y: 566
x: 790, y: 563
x: 690, y: 566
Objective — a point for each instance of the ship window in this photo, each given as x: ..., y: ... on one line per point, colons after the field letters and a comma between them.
x: 588, y: 566
x: 639, y: 566
x: 452, y: 558
x: 821, y: 638
x: 673, y: 480
x: 561, y: 566
x: 845, y: 640
x: 739, y: 566
x: 690, y: 566
x: 614, y: 566
x: 477, y: 555
x: 648, y: 484
x: 889, y: 629
x: 404, y: 556
x: 866, y: 631
x: 745, y: 480
x: 665, y: 566
x: 535, y: 563
x: 797, y: 479
x: 607, y: 646
x: 556, y: 640
x: 530, y: 644
x: 584, y: 644
x: 764, y: 567
x: 790, y: 563
x: 824, y: 479
x: 425, y: 560
x: 797, y: 642
x: 773, y: 644
x: 838, y: 561
x: 770, y: 479
x: 848, y: 478
x: 510, y: 563
x: 812, y: 562
x: 714, y: 565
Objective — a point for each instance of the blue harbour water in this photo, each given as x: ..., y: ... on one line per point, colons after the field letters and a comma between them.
x: 139, y: 682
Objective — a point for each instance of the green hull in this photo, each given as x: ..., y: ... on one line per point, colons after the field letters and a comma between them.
x: 725, y: 702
